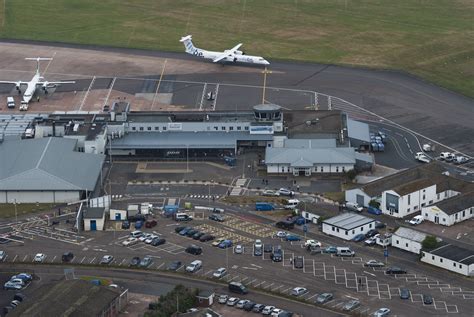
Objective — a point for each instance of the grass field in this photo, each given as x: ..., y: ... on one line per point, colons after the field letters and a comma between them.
x: 433, y: 39
x: 8, y: 210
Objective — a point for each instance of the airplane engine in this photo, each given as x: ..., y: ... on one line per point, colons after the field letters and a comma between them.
x: 235, y: 59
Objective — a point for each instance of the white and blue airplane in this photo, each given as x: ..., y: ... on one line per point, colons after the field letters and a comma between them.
x: 233, y: 55
x: 36, y: 82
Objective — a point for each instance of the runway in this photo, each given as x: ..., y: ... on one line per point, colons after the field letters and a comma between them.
x: 163, y: 79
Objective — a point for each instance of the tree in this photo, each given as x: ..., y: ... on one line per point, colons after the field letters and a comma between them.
x: 351, y: 174
x: 429, y: 243
x: 374, y: 203
x: 180, y: 298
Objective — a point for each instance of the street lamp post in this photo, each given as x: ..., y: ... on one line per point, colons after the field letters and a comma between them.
x: 265, y: 72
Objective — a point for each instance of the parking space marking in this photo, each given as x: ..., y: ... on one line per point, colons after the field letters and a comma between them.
x: 14, y: 259
x: 54, y: 258
x: 92, y: 261
x: 123, y: 260
x: 159, y: 266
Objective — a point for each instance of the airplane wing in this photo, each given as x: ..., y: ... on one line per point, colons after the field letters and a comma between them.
x: 54, y: 82
x: 227, y: 53
x: 13, y: 82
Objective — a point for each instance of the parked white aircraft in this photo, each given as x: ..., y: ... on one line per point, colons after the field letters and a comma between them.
x: 34, y: 83
x: 233, y: 55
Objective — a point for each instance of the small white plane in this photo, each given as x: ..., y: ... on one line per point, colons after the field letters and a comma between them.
x: 34, y: 83
x: 233, y: 55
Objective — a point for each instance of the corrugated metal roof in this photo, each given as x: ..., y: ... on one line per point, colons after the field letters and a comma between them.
x: 457, y: 203
x: 455, y: 253
x: 167, y: 140
x: 348, y: 221
x: 310, y: 143
x: 358, y: 130
x: 47, y: 164
x: 410, y: 234
x: 313, y: 156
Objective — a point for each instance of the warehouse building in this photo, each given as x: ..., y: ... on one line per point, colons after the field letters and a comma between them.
x: 347, y: 225
x: 93, y: 217
x: 452, y: 258
x: 450, y: 211
x: 47, y: 170
x: 408, y: 239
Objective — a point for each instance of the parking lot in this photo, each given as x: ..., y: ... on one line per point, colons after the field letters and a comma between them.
x: 345, y: 278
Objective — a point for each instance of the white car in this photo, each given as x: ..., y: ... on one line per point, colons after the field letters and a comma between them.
x: 39, y: 258
x: 382, y: 312
x: 416, y: 220
x: 297, y: 291
x: 223, y: 299
x: 144, y: 237
x: 312, y: 243
x: 371, y: 240
x: 269, y: 192
x: 238, y: 249
x: 18, y: 281
x: 281, y: 234
x: 267, y: 310
x: 240, y: 304
x: 286, y: 192
x: 129, y: 242
x: 232, y: 301
x: 150, y: 239
x: 220, y: 272
x: 276, y: 312
x: 258, y: 243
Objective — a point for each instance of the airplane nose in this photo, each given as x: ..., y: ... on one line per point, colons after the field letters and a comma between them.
x: 266, y: 63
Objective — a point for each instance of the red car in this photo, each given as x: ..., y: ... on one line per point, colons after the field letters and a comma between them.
x: 150, y: 223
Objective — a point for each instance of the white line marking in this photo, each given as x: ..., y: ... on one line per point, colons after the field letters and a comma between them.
x: 87, y: 93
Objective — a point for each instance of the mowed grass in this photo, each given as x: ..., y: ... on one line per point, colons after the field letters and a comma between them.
x: 433, y: 39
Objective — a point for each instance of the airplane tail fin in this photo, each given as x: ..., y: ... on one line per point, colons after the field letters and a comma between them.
x: 188, y: 44
x: 38, y: 59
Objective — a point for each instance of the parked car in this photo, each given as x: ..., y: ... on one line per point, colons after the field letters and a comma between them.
x: 324, y: 298
x: 238, y: 249
x: 358, y: 238
x: 146, y: 261
x: 374, y: 211
x: 225, y: 244
x: 185, y: 231
x: 297, y: 291
x: 222, y: 299
x: 249, y: 305
x: 371, y: 233
x: 286, y: 192
x: 39, y: 258
x: 371, y: 240
x: 281, y: 234
x: 298, y: 262
x: 258, y: 308
x: 198, y: 235
x: 382, y: 312
x: 23, y: 276
x: 276, y: 312
x: 286, y: 225
x: 178, y: 229
x: 12, y: 286
x: 144, y: 236
x: 191, y: 232
x: 158, y: 241
x: 206, y: 237
x: 330, y: 249
x: 241, y: 303
x: 3, y: 255
x: 312, y: 243
x: 138, y: 224
x: 67, y: 257
x: 193, y: 249
x: 277, y: 254
x: 404, y: 293
x: 215, y: 217
x: 232, y: 301
x: 217, y: 241
x: 353, y: 207
x: 427, y: 299
x: 350, y: 305
x: 292, y: 237
x: 374, y: 263
x: 125, y: 225
x: 395, y: 270
x: 379, y: 225
x: 106, y: 259
x: 258, y: 243
x: 150, y: 239
x: 220, y: 272
x: 129, y: 242
x: 135, y: 261
x: 194, y: 266
x: 17, y: 281
x: 267, y: 248
x: 268, y: 310
x: 173, y: 266
x: 150, y: 224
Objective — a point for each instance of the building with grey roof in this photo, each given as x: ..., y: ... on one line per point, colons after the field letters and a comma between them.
x: 409, y: 191
x: 93, y: 218
x: 451, y: 257
x: 347, y: 225
x: 450, y: 211
x: 408, y: 239
x: 46, y: 170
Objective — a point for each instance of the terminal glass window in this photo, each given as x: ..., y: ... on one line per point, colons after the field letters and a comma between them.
x: 231, y: 128
x: 246, y: 128
x: 149, y: 128
x: 223, y: 128
x: 164, y: 128
x: 141, y: 128
x: 239, y: 128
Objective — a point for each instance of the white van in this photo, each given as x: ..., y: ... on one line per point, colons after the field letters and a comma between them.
x: 416, y: 220
x: 136, y: 234
x: 292, y: 203
x: 194, y: 266
x: 10, y: 102
x: 344, y: 251
x: 181, y: 216
x: 353, y: 207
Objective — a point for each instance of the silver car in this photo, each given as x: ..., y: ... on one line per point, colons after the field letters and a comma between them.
x: 350, y: 305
